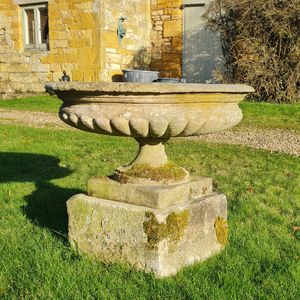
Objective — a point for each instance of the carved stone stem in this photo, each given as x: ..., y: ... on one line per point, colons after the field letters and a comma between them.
x: 151, y: 165
x: 151, y: 152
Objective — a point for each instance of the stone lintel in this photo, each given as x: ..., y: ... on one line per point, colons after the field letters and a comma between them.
x: 155, y: 196
x: 161, y: 241
x: 28, y: 2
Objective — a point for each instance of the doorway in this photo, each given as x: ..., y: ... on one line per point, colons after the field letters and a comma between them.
x: 202, y: 52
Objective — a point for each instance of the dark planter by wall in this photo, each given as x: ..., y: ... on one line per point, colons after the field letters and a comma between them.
x: 139, y: 76
x: 171, y: 80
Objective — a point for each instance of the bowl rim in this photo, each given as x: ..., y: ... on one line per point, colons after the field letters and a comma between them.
x: 138, y: 88
x: 139, y: 71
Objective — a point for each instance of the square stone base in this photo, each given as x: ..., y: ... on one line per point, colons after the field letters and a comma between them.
x: 158, y: 240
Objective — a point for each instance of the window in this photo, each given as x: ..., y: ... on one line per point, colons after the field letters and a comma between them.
x: 35, y: 26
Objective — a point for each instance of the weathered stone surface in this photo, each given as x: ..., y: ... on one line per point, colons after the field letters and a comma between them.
x: 155, y: 196
x: 140, y: 90
x: 164, y: 110
x: 154, y: 240
x: 151, y: 113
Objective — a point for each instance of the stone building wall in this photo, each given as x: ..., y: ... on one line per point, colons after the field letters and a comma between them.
x: 134, y: 51
x: 20, y: 72
x: 83, y: 37
x: 166, y: 37
x: 74, y: 40
x: 83, y: 41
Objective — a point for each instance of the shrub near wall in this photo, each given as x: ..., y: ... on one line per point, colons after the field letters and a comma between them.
x: 261, y: 45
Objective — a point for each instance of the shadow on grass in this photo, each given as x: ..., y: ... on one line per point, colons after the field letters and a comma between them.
x: 46, y: 206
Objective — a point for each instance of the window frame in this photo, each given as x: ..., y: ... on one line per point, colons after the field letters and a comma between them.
x: 37, y: 32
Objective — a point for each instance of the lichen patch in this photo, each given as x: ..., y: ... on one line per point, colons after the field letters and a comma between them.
x: 168, y: 172
x: 221, y: 228
x: 173, y: 229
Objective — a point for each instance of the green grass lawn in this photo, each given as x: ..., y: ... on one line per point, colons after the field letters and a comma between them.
x: 266, y: 115
x: 39, y: 103
x: 41, y: 168
x: 259, y: 115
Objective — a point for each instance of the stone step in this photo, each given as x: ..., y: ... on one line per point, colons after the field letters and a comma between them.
x: 15, y: 78
x: 155, y: 196
x: 22, y: 87
x: 15, y: 95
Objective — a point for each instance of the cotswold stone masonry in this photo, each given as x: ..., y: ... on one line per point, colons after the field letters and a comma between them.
x: 84, y: 43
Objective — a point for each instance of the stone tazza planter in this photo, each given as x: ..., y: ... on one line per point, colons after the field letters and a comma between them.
x: 150, y: 113
x: 150, y: 214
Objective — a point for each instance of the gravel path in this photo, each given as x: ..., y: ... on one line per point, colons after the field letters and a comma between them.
x: 32, y: 118
x: 285, y: 141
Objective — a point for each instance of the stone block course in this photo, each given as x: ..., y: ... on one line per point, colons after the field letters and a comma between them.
x: 166, y: 37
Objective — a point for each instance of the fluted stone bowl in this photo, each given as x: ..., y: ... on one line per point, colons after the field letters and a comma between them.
x: 150, y: 112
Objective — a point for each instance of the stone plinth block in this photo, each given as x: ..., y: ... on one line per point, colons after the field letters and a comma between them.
x: 153, y: 240
x: 155, y: 196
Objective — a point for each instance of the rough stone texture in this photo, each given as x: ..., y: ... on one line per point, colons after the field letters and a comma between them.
x: 153, y: 240
x: 155, y: 196
x: 166, y: 37
x: 74, y: 39
x: 83, y: 42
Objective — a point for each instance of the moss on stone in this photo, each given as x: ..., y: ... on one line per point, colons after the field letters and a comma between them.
x: 173, y: 229
x: 165, y: 173
x: 221, y: 228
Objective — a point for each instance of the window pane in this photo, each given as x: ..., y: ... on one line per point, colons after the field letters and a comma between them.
x: 30, y: 26
x: 44, y: 24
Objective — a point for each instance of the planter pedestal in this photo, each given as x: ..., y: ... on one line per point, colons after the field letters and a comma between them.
x: 162, y: 238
